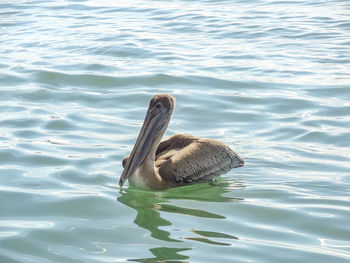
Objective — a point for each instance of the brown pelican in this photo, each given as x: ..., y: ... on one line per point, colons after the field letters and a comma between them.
x: 178, y: 160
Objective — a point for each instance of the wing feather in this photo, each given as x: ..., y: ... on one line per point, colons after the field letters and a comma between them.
x: 199, y: 161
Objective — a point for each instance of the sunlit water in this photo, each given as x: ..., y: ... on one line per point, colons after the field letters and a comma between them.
x: 269, y: 78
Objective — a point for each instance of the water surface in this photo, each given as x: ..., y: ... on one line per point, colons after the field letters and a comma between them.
x: 269, y: 78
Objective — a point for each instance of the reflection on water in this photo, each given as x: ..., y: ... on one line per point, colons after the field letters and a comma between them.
x: 205, y: 235
x: 164, y: 253
x: 148, y: 215
x: 151, y: 205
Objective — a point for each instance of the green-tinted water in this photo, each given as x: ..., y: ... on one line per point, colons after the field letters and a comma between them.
x: 268, y: 78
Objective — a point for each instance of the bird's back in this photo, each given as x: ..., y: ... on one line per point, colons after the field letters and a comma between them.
x: 184, y: 159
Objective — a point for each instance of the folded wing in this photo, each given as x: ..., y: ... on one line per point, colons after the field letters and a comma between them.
x: 187, y: 159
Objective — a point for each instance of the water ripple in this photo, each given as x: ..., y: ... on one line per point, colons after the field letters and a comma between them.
x: 269, y: 78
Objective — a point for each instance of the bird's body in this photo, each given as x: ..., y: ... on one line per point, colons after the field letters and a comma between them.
x: 176, y: 161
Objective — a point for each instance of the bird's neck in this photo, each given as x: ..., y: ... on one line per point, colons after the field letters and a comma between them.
x: 146, y: 175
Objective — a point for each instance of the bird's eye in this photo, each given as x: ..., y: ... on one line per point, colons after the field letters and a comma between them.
x: 158, y: 105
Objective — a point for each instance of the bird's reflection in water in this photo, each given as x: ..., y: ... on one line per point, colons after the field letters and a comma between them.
x: 150, y: 205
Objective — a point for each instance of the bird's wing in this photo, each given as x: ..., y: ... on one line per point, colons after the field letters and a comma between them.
x: 201, y: 160
x: 175, y: 142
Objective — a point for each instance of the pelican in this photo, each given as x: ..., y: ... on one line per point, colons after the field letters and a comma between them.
x: 176, y: 161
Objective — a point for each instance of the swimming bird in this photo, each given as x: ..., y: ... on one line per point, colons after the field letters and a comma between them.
x: 176, y: 161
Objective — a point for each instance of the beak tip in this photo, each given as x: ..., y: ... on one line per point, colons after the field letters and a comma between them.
x: 121, y: 183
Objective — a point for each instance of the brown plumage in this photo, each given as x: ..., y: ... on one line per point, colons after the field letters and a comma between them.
x: 178, y: 160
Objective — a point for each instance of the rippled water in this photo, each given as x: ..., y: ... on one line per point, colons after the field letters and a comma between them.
x: 269, y: 78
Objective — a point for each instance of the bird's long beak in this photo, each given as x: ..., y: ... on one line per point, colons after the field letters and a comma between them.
x: 152, y: 128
